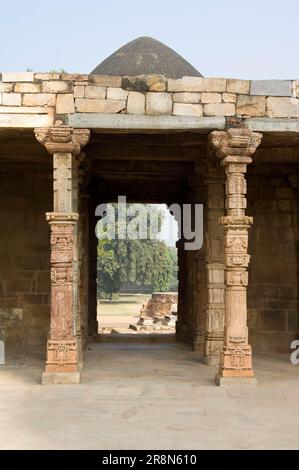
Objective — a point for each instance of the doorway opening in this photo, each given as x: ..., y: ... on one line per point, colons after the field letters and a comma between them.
x: 137, y: 270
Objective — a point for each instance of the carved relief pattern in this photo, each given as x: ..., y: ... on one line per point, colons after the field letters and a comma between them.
x: 62, y: 139
x: 62, y: 356
x: 235, y: 148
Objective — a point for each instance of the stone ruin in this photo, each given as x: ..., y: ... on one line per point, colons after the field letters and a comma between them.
x: 158, y: 313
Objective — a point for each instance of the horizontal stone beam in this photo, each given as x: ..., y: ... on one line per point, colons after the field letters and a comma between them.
x: 130, y: 122
x: 273, y: 125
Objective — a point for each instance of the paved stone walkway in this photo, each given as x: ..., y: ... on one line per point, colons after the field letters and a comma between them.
x: 148, y: 396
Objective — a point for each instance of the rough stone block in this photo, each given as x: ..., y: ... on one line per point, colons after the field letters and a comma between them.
x: 219, y: 109
x: 282, y: 107
x: 40, y: 99
x: 27, y: 88
x: 185, y: 97
x: 57, y: 86
x: 60, y: 378
x: 74, y: 77
x: 95, y: 92
x: 99, y: 106
x: 11, y: 99
x: 156, y: 83
x: 210, y: 98
x: 105, y: 80
x: 23, y: 110
x: 251, y: 106
x: 136, y: 103
x: 158, y: 103
x: 296, y: 88
x: 235, y: 381
x: 241, y: 87
x: 18, y: 77
x: 65, y: 104
x: 26, y: 120
x: 116, y: 94
x: 271, y: 87
x: 6, y: 87
x: 214, y: 84
x: 79, y: 91
x: 186, y: 109
x: 186, y: 84
x: 47, y: 76
x: 229, y: 97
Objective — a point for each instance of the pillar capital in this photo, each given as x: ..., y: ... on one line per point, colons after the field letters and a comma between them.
x: 236, y: 145
x: 62, y: 139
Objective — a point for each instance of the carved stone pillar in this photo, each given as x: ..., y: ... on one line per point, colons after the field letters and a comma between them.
x: 235, y: 148
x: 214, y: 266
x: 64, y: 345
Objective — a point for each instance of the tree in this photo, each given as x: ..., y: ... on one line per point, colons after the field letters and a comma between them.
x: 142, y: 262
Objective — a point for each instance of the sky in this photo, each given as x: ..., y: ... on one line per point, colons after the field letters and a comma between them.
x: 252, y: 39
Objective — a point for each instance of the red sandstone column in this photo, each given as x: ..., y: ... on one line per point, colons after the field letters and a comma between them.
x: 63, y: 347
x: 235, y: 148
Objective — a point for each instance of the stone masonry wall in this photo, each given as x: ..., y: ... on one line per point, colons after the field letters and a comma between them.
x: 273, y: 276
x: 25, y: 195
x: 37, y: 99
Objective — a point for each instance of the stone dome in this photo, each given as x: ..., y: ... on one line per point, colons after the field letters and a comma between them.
x: 146, y: 56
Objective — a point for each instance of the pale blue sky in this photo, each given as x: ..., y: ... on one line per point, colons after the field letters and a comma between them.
x: 230, y: 38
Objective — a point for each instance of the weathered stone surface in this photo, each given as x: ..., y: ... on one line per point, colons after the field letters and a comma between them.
x: 11, y: 99
x: 229, y: 97
x: 134, y: 122
x: 219, y: 109
x: 136, y: 103
x: 296, y: 88
x: 116, y: 94
x: 18, y: 77
x: 6, y: 87
x: 186, y: 109
x: 26, y: 120
x: 271, y: 87
x: 156, y: 83
x: 210, y: 98
x: 23, y: 110
x: 99, y: 106
x: 95, y: 92
x: 186, y: 84
x: 47, y: 76
x: 240, y: 87
x: 79, y: 91
x: 158, y: 103
x: 283, y: 107
x: 65, y: 103
x: 74, y: 77
x: 214, y: 84
x: 57, y: 86
x: 185, y: 97
x: 60, y: 378
x: 251, y: 106
x: 105, y: 80
x: 40, y: 99
x: 27, y: 88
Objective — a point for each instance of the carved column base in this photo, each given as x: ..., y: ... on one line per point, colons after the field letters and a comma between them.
x: 62, y: 358
x: 198, y: 341
x: 235, y: 365
x: 213, y: 343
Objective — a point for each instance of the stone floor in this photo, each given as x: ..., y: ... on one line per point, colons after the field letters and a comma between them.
x: 148, y: 396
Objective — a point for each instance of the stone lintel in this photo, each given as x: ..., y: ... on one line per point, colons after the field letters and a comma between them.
x: 143, y: 122
x: 272, y: 125
x: 60, y: 378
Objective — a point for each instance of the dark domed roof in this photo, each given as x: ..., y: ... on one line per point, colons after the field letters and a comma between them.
x: 146, y: 56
